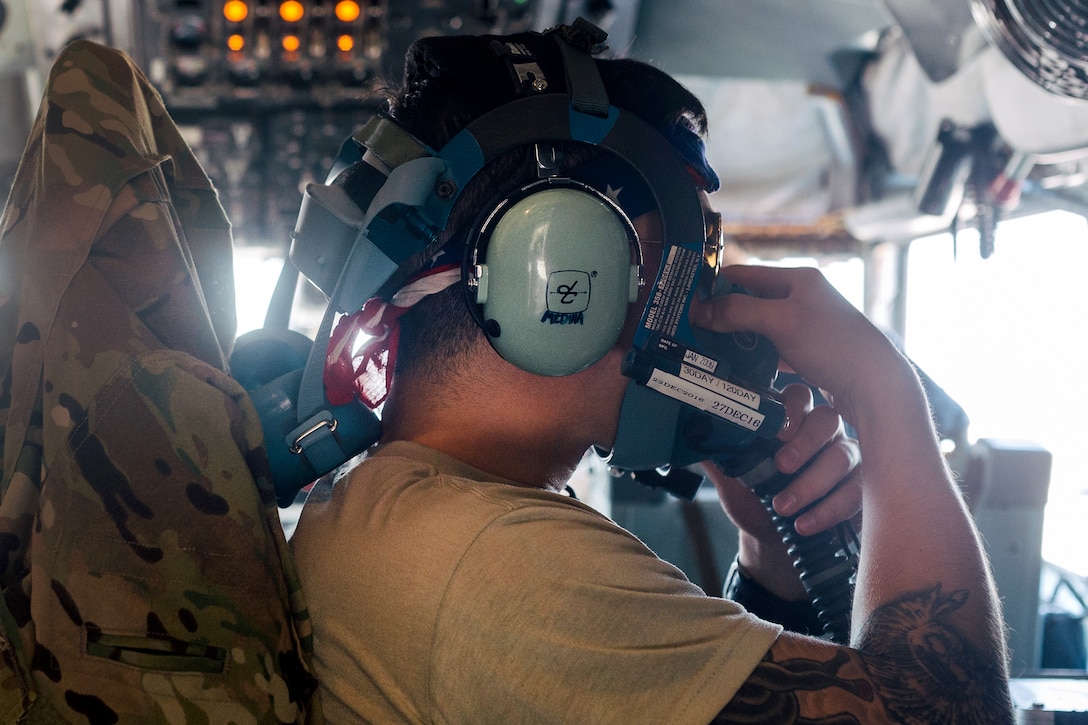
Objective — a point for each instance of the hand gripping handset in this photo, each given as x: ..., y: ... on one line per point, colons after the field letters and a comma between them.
x: 697, y: 395
x: 826, y: 562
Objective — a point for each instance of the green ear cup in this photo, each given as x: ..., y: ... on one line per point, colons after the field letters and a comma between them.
x: 556, y: 280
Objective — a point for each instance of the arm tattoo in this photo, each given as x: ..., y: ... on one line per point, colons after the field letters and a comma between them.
x: 769, y: 694
x: 924, y: 669
x: 919, y: 666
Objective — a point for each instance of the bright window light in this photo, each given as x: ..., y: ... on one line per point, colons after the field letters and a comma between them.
x: 1006, y: 338
x: 256, y: 271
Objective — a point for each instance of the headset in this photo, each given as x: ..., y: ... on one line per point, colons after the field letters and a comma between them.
x: 565, y: 319
x: 550, y: 273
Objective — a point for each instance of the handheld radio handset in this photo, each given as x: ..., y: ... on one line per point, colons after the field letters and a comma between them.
x: 826, y: 562
x: 717, y: 388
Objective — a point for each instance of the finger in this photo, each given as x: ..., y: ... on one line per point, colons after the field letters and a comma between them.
x: 798, y: 402
x: 734, y: 312
x: 842, y: 504
x: 834, y: 464
x: 819, y: 427
x: 742, y: 506
x: 768, y: 282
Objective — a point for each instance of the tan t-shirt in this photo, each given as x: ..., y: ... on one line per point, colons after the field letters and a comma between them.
x: 442, y: 594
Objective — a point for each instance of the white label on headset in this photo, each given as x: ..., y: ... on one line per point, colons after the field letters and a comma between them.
x: 699, y: 397
x: 666, y: 306
x: 702, y: 361
x: 717, y: 385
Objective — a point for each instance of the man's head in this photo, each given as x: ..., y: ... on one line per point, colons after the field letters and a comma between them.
x: 452, y: 81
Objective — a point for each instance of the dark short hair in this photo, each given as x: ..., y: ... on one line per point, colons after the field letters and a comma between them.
x: 451, y: 81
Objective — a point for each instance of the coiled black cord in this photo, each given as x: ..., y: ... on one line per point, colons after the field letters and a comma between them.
x: 826, y: 562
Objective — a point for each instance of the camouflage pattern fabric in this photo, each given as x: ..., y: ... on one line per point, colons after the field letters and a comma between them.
x: 144, y: 569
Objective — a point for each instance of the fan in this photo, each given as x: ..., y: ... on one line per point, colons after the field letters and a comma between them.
x: 1047, y: 40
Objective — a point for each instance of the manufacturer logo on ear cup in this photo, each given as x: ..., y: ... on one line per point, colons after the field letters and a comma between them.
x: 568, y: 291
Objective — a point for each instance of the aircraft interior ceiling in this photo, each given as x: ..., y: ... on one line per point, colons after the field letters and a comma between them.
x: 834, y: 123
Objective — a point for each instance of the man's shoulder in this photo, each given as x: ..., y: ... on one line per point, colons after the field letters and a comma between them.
x: 395, y: 495
x: 399, y: 487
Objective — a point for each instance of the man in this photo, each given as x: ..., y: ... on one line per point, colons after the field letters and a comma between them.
x: 451, y: 579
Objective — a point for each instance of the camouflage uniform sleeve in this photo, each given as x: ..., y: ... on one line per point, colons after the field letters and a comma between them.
x: 144, y: 569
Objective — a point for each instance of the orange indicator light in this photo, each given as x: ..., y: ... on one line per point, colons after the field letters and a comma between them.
x: 347, y: 11
x: 236, y: 42
x: 345, y: 43
x: 291, y: 43
x: 291, y: 11
x: 235, y: 11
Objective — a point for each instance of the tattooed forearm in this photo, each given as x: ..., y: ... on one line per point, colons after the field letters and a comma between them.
x: 925, y: 670
x: 911, y: 666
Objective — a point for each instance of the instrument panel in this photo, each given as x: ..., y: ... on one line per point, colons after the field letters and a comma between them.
x: 266, y: 90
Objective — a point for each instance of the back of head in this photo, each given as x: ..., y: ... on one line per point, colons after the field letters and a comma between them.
x: 450, y: 82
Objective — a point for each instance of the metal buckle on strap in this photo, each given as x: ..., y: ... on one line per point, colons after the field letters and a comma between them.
x: 298, y: 447
x: 317, y: 442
